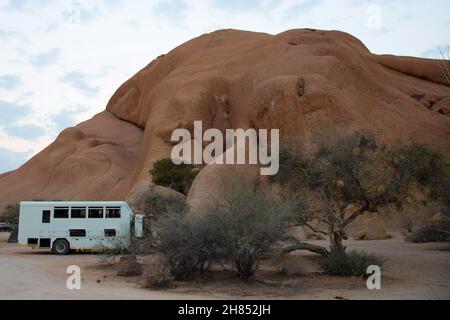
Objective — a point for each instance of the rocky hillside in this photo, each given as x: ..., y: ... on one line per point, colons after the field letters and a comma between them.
x: 298, y: 81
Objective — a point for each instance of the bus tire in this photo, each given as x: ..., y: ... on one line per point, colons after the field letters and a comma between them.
x: 61, y: 247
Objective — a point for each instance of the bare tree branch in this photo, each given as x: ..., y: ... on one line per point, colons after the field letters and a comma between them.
x: 296, y: 245
x: 445, y: 63
x: 306, y: 246
x: 314, y: 229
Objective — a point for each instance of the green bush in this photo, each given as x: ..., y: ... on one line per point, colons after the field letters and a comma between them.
x: 353, y: 263
x: 178, y: 177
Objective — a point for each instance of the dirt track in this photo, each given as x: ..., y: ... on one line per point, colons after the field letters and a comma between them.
x: 412, y: 272
x: 29, y: 274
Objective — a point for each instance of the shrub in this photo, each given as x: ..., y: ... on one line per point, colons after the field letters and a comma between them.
x: 249, y: 223
x: 129, y: 267
x: 439, y: 232
x: 353, y: 263
x: 157, y: 279
x: 187, y: 243
x: 178, y: 177
x: 157, y: 276
x: 155, y: 203
x: 11, y: 214
x: 238, y: 230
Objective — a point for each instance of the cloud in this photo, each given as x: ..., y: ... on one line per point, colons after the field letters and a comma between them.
x: 18, y: 4
x: 9, y: 82
x: 25, y: 131
x: 78, y: 14
x: 238, y: 5
x: 171, y: 7
x: 10, y: 160
x: 66, y: 118
x: 46, y: 58
x: 63, y: 121
x: 25, y: 146
x: 26, y: 4
x: 10, y: 112
x: 7, y: 34
x: 437, y: 52
x: 304, y: 7
x: 79, y: 80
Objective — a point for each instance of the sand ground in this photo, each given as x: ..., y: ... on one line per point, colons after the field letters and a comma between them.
x: 412, y: 271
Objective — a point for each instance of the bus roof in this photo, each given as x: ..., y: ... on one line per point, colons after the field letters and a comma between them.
x: 72, y: 203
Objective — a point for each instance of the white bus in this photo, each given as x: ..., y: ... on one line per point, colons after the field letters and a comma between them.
x: 65, y: 226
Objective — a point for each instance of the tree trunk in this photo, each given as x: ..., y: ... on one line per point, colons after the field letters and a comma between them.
x: 336, y: 238
x: 306, y: 246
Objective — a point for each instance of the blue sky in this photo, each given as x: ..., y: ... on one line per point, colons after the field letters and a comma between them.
x: 61, y: 60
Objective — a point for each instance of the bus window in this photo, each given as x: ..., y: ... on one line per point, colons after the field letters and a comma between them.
x: 46, y: 216
x: 110, y: 233
x: 61, y: 213
x: 77, y: 233
x: 113, y: 213
x: 78, y: 213
x: 33, y: 241
x: 96, y: 213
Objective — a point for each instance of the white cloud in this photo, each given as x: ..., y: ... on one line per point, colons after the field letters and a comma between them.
x: 9, y: 81
x: 20, y: 145
x: 45, y: 59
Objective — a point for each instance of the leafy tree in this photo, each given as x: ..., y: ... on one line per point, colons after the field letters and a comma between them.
x: 416, y: 169
x: 339, y: 171
x: 178, y: 177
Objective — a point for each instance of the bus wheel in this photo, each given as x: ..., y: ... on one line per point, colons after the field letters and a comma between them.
x: 61, y: 247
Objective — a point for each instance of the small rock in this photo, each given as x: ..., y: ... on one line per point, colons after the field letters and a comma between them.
x: 372, y: 229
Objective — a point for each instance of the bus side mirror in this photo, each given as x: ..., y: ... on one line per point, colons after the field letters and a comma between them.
x: 139, y: 225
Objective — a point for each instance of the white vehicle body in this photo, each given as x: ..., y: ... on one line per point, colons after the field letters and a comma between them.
x: 83, y: 225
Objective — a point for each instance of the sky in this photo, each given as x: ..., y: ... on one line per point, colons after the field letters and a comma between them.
x: 61, y: 60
